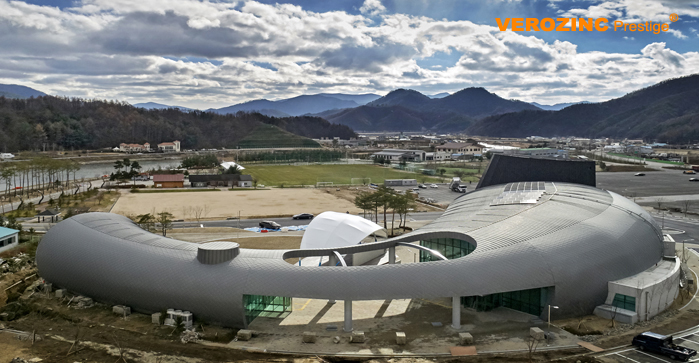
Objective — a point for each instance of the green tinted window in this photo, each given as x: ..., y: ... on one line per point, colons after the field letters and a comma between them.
x: 624, y: 302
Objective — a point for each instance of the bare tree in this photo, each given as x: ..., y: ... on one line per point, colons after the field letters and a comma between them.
x: 686, y: 204
x: 660, y: 201
x: 532, y: 344
x: 207, y: 210
x: 197, y: 212
x: 615, y: 310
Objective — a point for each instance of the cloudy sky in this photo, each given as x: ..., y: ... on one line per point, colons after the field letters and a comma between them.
x: 214, y: 53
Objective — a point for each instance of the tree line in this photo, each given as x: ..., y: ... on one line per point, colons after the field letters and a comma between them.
x: 311, y: 156
x: 41, y: 175
x: 384, y: 199
x: 60, y: 123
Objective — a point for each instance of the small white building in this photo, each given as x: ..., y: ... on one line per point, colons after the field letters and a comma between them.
x: 9, y: 238
x: 4, y: 156
x: 171, y: 147
x: 463, y: 148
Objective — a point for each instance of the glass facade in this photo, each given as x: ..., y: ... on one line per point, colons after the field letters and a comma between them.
x: 532, y: 301
x: 451, y: 248
x: 624, y: 302
x: 267, y: 306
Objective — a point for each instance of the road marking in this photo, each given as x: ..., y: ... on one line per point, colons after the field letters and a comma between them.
x: 621, y: 351
x: 623, y: 356
x: 652, y: 356
x: 304, y: 305
x: 690, y: 340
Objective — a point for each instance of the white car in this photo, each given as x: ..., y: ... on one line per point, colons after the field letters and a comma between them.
x: 434, y: 186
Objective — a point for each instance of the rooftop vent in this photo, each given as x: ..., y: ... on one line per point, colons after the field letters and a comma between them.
x: 217, y: 252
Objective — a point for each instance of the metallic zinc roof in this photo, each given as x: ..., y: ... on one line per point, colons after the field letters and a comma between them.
x: 570, y: 237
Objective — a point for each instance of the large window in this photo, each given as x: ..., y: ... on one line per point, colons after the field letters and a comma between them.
x: 266, y: 306
x: 624, y: 302
x: 451, y: 248
x: 530, y: 301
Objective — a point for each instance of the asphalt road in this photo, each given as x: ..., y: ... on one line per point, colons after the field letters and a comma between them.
x: 667, y: 182
x: 284, y: 222
x: 442, y: 194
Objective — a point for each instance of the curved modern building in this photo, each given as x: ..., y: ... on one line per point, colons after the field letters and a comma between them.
x: 520, y: 245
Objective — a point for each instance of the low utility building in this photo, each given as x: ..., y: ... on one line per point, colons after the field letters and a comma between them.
x: 9, y: 238
x: 221, y: 180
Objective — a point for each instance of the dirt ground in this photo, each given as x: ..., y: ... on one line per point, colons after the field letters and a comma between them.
x: 252, y: 204
x: 349, y: 193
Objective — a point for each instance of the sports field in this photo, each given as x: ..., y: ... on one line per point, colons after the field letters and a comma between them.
x: 223, y: 204
x: 276, y: 175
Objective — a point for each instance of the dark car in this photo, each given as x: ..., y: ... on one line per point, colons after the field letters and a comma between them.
x: 303, y: 216
x: 662, y: 344
x: 270, y: 225
x: 693, y: 179
x: 422, y: 186
x: 639, y: 174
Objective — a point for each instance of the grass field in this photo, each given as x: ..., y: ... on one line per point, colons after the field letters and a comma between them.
x: 339, y: 174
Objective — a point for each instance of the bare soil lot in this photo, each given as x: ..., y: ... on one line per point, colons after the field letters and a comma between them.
x: 223, y: 204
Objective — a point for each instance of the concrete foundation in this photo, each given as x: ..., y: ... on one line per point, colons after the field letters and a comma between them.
x: 121, y: 310
x: 60, y: 293
x: 536, y: 333
x: 465, y: 339
x: 155, y: 318
x: 400, y: 338
x: 309, y: 337
x: 244, y: 334
x: 357, y: 337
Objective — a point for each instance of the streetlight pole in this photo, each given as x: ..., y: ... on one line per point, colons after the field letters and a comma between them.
x: 683, y: 241
x: 551, y: 306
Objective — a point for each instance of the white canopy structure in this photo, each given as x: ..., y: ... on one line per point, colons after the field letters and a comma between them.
x: 228, y: 164
x: 333, y: 229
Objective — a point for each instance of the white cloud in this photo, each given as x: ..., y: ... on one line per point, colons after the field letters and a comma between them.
x: 160, y: 50
x: 372, y: 8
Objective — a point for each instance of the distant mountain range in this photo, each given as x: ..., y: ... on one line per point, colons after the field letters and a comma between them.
x: 159, y: 106
x: 556, y: 107
x: 300, y: 105
x: 409, y: 110
x: 666, y: 112
x: 17, y: 91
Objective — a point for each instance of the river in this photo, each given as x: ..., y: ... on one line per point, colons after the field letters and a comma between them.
x: 96, y: 170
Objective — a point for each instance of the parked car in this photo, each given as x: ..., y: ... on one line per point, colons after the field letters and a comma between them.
x: 422, y: 186
x: 640, y: 174
x: 434, y: 186
x: 270, y: 225
x: 689, y: 172
x: 662, y: 344
x: 303, y: 216
x: 693, y: 179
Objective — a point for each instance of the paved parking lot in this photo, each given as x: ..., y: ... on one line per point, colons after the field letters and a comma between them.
x: 689, y: 340
x: 668, y: 182
x: 441, y: 194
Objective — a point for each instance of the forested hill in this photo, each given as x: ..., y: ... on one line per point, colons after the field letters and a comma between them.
x: 52, y: 122
x: 666, y: 112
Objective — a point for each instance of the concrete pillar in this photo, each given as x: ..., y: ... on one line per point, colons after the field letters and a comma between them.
x: 456, y: 312
x: 348, y: 316
x: 332, y: 260
x: 392, y: 255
